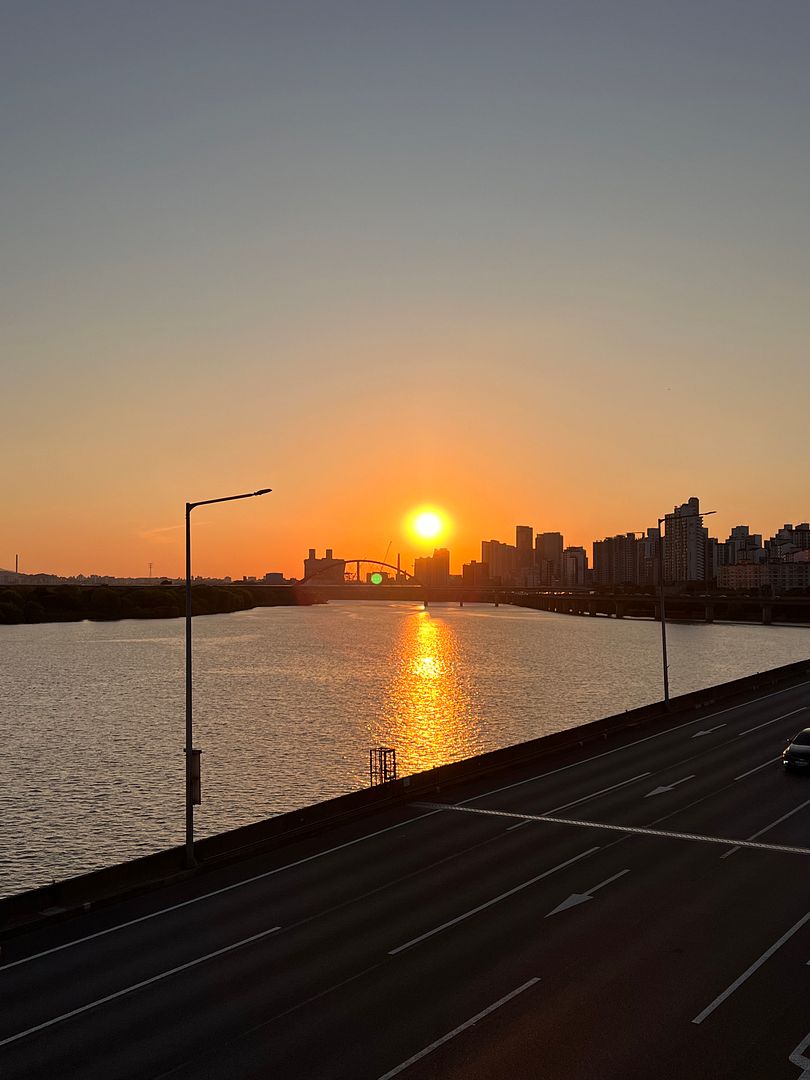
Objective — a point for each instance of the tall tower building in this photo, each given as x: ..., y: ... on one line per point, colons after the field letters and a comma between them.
x: 524, y: 545
x: 548, y: 551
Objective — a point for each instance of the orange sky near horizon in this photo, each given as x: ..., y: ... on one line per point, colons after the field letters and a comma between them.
x: 543, y: 265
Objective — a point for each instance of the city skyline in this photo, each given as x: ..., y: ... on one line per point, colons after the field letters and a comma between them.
x: 543, y: 265
x: 461, y: 553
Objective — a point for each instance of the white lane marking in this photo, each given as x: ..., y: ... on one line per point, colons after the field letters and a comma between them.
x: 580, y: 898
x: 491, y: 903
x: 584, y: 798
x: 635, y: 830
x: 638, y: 742
x: 764, y: 765
x: 400, y: 825
x: 772, y: 825
x: 457, y: 1031
x: 669, y: 787
x: 798, y: 1059
x: 208, y: 895
x: 708, y: 731
x: 701, y: 1016
x: 768, y: 723
x: 137, y: 986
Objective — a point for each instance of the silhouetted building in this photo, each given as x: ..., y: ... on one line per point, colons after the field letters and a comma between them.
x: 788, y: 540
x: 501, y: 559
x: 685, y: 545
x: 524, y: 546
x: 548, y: 557
x: 475, y: 573
x: 616, y: 560
x: 742, y: 546
x: 326, y: 571
x: 574, y: 566
x: 433, y: 569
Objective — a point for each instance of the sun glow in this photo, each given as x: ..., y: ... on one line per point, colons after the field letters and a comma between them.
x: 427, y: 524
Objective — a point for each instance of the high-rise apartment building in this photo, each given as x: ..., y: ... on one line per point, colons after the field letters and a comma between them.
x: 574, y: 566
x: 433, y: 569
x: 685, y: 544
x: 615, y: 560
x: 501, y: 559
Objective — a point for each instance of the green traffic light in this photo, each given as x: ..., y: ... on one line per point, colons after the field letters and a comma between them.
x: 376, y: 578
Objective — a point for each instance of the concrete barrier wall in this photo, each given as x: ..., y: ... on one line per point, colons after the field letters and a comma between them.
x: 138, y: 875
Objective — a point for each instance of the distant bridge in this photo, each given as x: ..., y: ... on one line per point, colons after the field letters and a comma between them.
x: 357, y: 562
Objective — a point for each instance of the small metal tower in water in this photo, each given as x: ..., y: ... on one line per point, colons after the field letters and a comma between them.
x: 382, y: 765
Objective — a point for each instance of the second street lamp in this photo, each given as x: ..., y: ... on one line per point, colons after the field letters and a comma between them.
x: 192, y: 755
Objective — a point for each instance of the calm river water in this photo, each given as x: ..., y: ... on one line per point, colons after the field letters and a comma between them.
x: 288, y: 702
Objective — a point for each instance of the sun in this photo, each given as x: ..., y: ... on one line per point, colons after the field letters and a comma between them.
x: 427, y: 524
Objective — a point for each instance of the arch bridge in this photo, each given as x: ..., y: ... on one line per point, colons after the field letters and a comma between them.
x: 357, y: 563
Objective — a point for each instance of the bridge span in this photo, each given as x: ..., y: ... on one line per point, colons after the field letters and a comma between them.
x: 626, y: 900
x: 582, y: 602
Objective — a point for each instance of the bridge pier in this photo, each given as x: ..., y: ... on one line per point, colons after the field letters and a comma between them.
x: 767, y: 614
x: 461, y: 603
x: 709, y: 613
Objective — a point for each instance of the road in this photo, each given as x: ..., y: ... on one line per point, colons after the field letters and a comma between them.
x: 638, y: 910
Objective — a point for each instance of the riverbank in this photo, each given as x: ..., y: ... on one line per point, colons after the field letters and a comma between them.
x: 106, y: 603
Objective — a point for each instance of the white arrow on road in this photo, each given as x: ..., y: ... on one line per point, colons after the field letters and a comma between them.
x: 798, y: 1058
x: 669, y: 787
x: 580, y: 898
x: 708, y: 731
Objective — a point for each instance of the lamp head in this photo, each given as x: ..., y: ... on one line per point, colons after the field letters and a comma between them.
x: 263, y: 491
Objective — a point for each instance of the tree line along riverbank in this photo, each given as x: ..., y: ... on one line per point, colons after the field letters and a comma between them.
x: 104, y: 603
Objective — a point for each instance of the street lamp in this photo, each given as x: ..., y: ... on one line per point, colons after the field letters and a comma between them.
x: 193, y: 756
x: 661, y: 521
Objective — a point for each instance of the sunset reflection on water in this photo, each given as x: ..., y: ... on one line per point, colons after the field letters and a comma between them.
x: 429, y: 713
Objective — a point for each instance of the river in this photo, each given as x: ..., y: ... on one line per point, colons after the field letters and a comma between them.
x: 288, y: 702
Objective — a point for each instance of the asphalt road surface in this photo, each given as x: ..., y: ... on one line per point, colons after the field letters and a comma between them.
x: 637, y: 911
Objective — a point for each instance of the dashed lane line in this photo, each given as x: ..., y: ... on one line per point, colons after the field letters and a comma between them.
x: 399, y: 825
x: 136, y: 986
x: 490, y: 903
x: 701, y: 1016
x: 772, y: 825
x: 457, y: 1031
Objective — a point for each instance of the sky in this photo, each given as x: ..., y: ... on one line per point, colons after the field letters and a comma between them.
x: 525, y: 262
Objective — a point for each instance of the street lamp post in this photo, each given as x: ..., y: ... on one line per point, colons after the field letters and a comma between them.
x: 193, y: 756
x: 661, y: 521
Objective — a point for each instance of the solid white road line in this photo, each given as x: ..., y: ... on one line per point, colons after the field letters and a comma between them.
x: 400, y: 825
x: 634, y: 830
x: 457, y: 1031
x: 772, y: 825
x: 701, y: 1016
x: 576, y: 802
x: 490, y: 903
x: 750, y: 772
x: 136, y: 986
